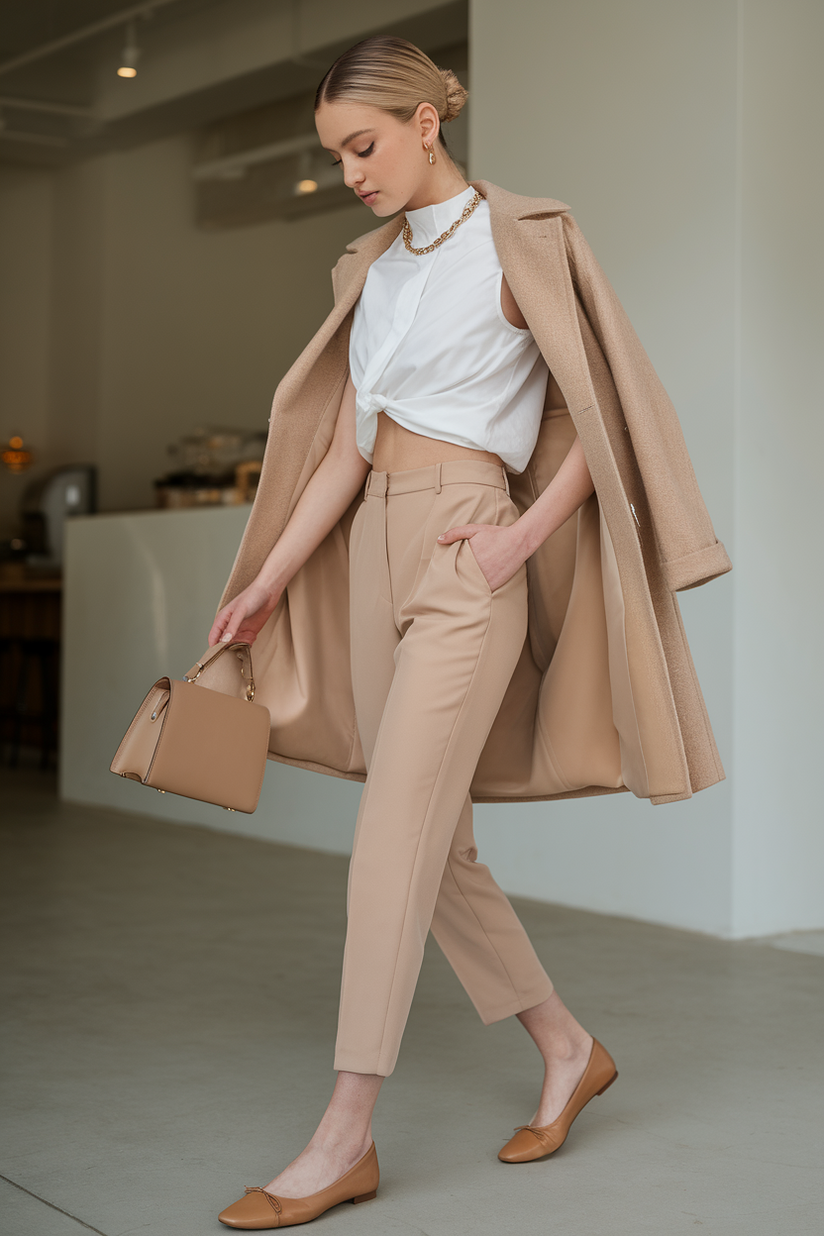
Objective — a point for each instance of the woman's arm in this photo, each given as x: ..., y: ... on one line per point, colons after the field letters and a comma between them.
x: 501, y: 551
x: 568, y: 489
x: 327, y: 496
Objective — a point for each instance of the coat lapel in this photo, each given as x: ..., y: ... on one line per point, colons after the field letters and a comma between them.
x: 350, y: 273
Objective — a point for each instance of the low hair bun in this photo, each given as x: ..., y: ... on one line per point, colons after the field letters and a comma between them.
x: 456, y: 95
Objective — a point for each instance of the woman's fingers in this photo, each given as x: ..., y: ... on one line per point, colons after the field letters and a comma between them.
x: 216, y: 631
x: 243, y: 618
x: 495, y: 549
x: 219, y: 626
x: 236, y: 621
x: 228, y: 623
x: 459, y: 534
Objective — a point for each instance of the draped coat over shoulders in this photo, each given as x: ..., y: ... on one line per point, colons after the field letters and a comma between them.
x: 604, y: 697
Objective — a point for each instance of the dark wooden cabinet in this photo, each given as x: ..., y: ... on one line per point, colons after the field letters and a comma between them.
x: 30, y: 617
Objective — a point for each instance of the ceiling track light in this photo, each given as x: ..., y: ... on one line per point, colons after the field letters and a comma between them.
x: 130, y: 54
x: 306, y: 182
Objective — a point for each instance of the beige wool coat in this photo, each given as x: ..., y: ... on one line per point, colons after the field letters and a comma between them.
x: 605, y: 696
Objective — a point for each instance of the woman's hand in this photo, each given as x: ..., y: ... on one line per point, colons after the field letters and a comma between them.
x: 499, y: 552
x: 242, y: 619
x: 328, y: 495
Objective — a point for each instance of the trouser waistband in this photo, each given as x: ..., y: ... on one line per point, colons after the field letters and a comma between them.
x: 435, y: 476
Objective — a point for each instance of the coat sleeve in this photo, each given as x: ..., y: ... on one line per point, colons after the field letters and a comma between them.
x: 689, y: 550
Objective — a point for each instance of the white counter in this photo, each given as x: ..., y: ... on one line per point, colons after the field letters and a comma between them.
x: 140, y: 595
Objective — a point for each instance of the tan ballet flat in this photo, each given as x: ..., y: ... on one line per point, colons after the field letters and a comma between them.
x: 259, y: 1209
x: 534, y: 1141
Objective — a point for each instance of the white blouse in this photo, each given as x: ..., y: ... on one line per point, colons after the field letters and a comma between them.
x: 431, y: 347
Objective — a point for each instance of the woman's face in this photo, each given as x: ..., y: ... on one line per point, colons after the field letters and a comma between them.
x: 382, y: 159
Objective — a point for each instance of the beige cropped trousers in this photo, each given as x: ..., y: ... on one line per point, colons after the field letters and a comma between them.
x: 433, y: 650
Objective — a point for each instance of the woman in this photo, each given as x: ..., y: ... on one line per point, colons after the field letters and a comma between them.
x: 391, y: 457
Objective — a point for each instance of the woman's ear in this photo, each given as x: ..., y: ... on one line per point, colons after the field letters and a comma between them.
x: 427, y: 118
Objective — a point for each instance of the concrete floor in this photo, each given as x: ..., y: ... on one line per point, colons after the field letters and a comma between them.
x: 169, y: 1008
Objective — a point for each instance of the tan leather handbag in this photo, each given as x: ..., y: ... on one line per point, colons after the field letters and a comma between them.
x: 203, y: 744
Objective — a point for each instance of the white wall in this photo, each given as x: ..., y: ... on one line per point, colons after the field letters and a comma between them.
x: 123, y: 326
x: 79, y: 218
x: 682, y: 137
x: 777, y: 810
x: 198, y: 326
x: 25, y: 304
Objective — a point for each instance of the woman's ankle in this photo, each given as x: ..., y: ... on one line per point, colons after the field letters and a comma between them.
x: 335, y: 1136
x: 347, y: 1121
x: 555, y: 1032
x: 564, y: 1048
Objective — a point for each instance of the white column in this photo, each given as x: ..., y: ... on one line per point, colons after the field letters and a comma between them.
x: 685, y: 139
x: 778, y: 818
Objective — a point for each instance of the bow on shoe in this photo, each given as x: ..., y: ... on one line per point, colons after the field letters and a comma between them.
x: 540, y: 1133
x: 271, y: 1199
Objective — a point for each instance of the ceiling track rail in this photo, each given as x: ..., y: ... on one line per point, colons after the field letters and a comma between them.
x: 38, y: 105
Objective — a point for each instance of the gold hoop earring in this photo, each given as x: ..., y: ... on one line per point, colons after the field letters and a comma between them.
x: 431, y: 154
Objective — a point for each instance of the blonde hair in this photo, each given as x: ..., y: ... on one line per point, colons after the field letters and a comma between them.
x: 395, y: 76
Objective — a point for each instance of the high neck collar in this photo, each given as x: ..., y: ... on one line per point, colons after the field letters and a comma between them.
x: 428, y: 222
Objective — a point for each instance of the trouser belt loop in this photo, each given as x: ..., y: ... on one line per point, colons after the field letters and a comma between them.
x: 376, y: 484
x: 438, y: 477
x: 506, y: 479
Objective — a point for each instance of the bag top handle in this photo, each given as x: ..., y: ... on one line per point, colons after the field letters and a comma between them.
x: 244, y: 655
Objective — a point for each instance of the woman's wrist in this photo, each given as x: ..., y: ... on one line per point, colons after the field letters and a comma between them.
x: 273, y: 578
x: 558, y: 503
x: 528, y: 534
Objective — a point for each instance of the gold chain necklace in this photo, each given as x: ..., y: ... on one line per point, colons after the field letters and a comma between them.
x: 467, y: 211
